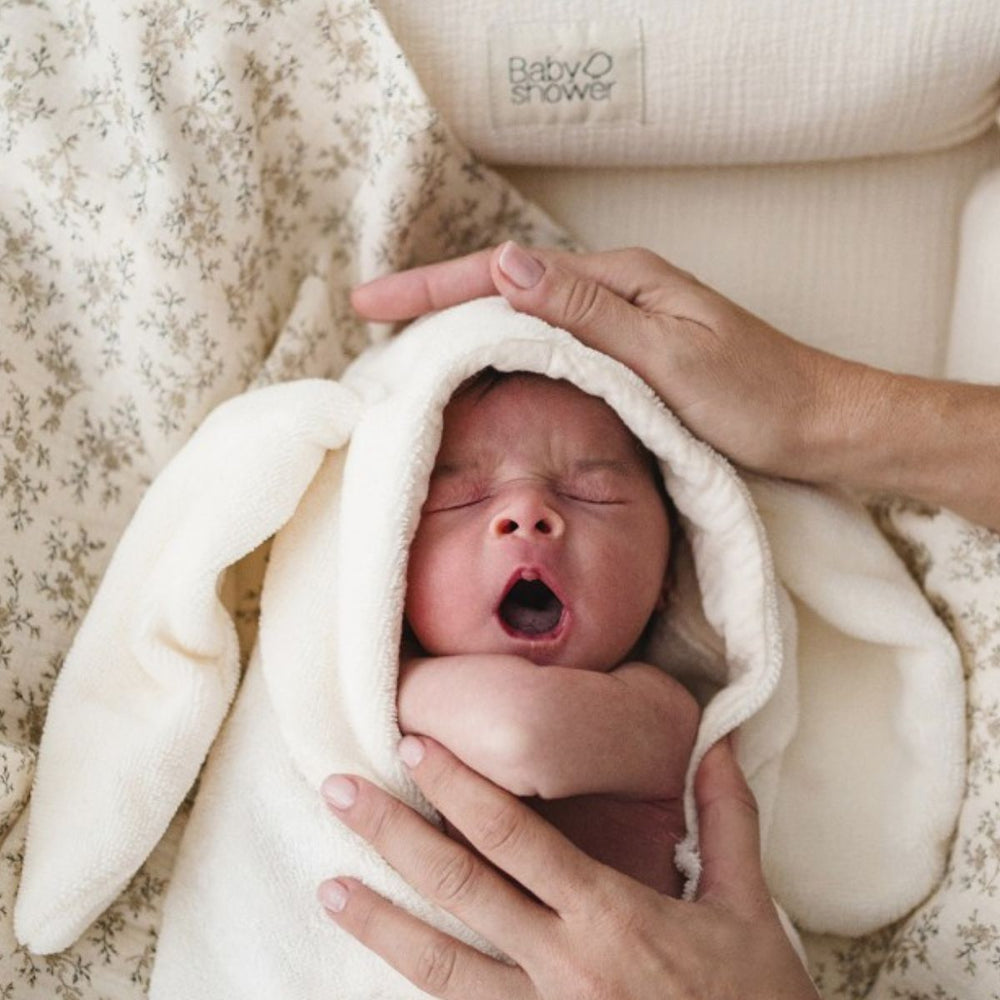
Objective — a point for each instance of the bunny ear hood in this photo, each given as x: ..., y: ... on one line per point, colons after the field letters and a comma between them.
x: 791, y: 617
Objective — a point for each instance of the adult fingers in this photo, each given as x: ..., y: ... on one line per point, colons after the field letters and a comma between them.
x: 729, y: 834
x: 433, y: 961
x: 441, y: 870
x: 630, y: 304
x: 504, y: 830
x: 633, y: 274
x: 625, y: 303
x: 422, y: 289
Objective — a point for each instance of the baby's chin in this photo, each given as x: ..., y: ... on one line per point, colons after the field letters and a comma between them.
x: 561, y: 655
x: 548, y: 652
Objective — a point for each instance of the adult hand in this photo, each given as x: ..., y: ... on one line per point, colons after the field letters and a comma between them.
x: 577, y: 929
x: 756, y: 394
x: 772, y: 404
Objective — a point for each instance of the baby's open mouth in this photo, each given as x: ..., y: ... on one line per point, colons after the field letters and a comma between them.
x: 530, y: 608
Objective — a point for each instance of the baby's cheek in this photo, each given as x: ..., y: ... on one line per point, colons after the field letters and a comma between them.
x: 438, y: 593
x: 420, y: 587
x: 638, y: 584
x: 650, y: 550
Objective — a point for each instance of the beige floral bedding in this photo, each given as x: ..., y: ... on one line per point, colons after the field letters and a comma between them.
x: 188, y: 191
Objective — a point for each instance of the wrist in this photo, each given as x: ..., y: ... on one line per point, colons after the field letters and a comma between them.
x: 847, y: 441
x: 932, y: 440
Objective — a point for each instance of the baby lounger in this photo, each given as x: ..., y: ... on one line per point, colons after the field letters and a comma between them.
x: 190, y: 190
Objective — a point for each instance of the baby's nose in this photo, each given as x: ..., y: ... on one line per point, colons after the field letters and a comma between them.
x: 527, y: 515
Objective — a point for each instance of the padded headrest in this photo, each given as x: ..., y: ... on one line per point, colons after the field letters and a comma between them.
x: 674, y: 83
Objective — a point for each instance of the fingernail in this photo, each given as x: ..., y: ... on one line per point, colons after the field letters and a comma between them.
x: 521, y: 268
x: 339, y: 791
x: 333, y: 895
x: 411, y: 751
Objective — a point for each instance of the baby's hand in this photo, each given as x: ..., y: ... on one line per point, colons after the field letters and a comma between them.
x: 474, y: 705
x: 553, y: 731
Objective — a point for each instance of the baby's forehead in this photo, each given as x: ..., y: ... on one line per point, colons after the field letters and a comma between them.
x: 493, y: 405
x: 525, y: 396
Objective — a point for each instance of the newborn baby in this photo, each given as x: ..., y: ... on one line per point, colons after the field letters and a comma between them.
x: 541, y: 553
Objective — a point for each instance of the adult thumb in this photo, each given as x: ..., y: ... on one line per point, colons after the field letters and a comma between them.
x: 557, y: 288
x: 728, y: 833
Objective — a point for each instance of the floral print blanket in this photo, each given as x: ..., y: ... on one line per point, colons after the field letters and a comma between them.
x: 183, y: 181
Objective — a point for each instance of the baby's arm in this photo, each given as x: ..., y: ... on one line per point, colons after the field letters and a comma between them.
x: 554, y: 731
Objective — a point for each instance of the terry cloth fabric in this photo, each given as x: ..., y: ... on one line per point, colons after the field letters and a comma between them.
x: 847, y: 688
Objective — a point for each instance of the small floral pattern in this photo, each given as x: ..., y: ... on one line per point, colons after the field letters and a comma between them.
x: 189, y: 191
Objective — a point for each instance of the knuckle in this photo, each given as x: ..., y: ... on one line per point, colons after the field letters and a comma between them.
x: 689, y: 276
x: 365, y: 920
x: 746, y: 801
x: 739, y: 801
x: 617, y: 923
x: 582, y: 981
x: 501, y: 829
x: 607, y: 914
x: 582, y: 300
x: 435, y: 967
x: 643, y: 257
x: 455, y: 878
x: 380, y: 820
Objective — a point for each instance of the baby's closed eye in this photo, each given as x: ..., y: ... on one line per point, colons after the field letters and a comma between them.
x: 454, y: 494
x: 592, y: 497
x: 600, y: 488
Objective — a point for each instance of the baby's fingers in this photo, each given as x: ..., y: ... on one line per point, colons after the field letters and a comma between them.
x: 433, y: 961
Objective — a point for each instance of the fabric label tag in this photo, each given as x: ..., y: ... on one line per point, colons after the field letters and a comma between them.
x: 565, y: 73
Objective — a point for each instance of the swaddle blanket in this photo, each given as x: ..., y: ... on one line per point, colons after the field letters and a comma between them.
x: 847, y: 688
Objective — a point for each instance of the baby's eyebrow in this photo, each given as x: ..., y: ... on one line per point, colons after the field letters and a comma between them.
x: 617, y: 465
x: 445, y: 469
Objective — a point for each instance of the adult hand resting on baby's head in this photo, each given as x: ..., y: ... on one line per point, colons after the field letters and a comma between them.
x: 769, y: 402
x: 585, y: 931
x: 735, y: 381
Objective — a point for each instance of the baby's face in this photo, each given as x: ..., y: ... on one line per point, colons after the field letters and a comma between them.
x: 543, y: 534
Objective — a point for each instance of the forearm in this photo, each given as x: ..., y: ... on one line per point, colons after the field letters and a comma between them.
x: 554, y: 731
x: 458, y: 701
x: 933, y: 440
x: 471, y: 704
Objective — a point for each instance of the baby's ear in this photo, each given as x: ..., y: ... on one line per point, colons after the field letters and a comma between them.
x: 409, y: 648
x: 677, y: 553
x: 663, y: 600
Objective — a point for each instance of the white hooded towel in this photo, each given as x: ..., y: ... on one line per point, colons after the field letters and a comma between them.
x: 797, y: 619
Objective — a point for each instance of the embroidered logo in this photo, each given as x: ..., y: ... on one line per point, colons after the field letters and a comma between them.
x: 570, y: 72
x: 551, y: 80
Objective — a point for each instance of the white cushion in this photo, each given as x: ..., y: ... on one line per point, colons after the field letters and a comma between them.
x: 670, y: 82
